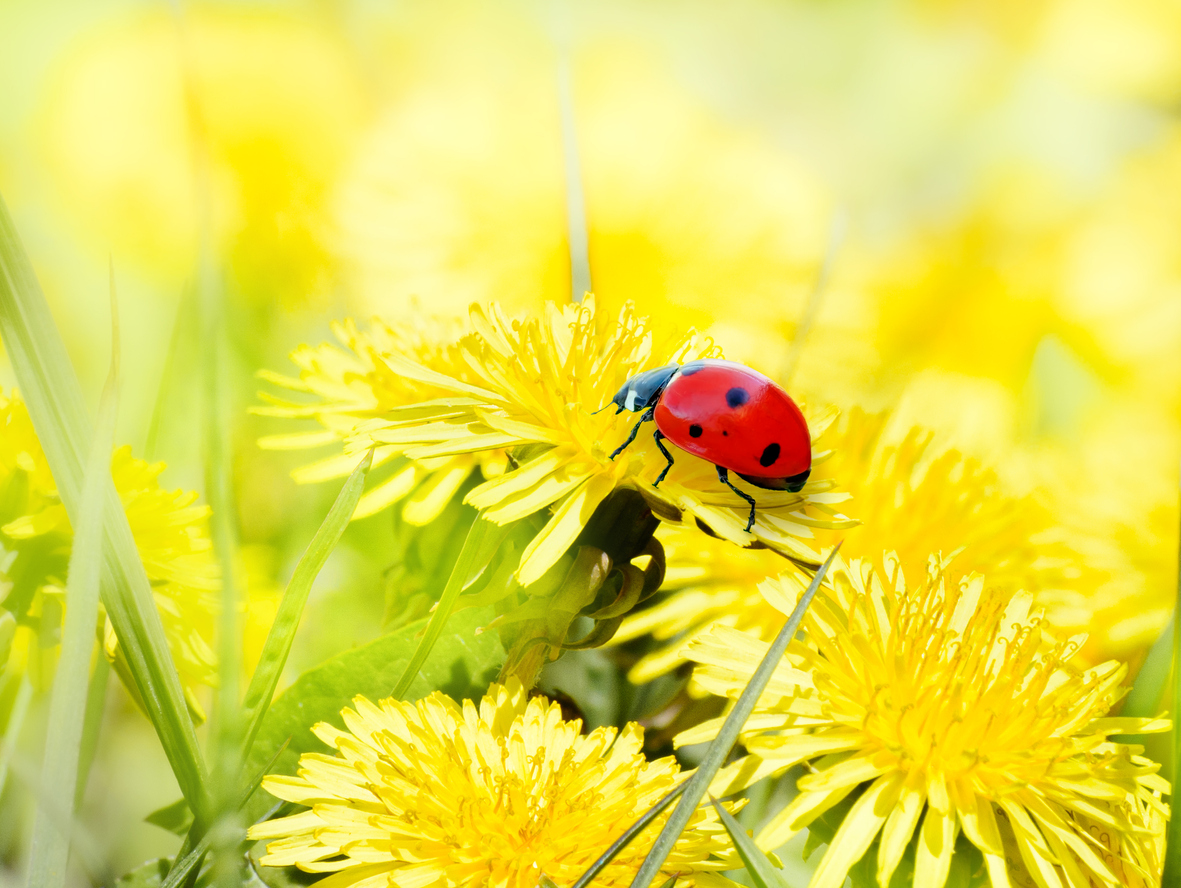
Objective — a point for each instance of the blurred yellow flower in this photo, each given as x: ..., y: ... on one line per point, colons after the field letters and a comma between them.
x: 352, y: 384
x: 539, y: 385
x: 908, y: 493
x: 944, y: 696
x: 169, y: 530
x: 278, y: 101
x: 458, y: 193
x: 499, y: 793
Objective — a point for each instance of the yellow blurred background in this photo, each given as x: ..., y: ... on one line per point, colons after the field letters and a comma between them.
x: 1004, y: 181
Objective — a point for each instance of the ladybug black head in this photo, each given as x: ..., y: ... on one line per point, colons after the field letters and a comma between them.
x: 643, y: 390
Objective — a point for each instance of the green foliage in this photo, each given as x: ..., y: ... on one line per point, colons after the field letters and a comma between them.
x: 149, y: 875
x: 176, y: 818
x: 762, y: 871
x: 54, y: 398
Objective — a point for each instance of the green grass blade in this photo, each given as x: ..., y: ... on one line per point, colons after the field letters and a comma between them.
x: 482, y: 541
x: 96, y: 701
x: 717, y: 751
x: 626, y: 839
x: 54, y: 398
x: 282, y: 633
x: 762, y: 872
x: 12, y: 731
x: 1172, y: 868
x: 1144, y: 699
x: 50, y: 853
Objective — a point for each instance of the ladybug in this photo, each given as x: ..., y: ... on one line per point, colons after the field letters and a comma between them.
x: 728, y: 414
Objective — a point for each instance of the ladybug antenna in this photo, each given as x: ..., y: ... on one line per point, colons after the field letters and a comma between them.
x: 836, y: 237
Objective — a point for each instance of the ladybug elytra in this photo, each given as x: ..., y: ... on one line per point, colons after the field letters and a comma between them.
x: 727, y: 414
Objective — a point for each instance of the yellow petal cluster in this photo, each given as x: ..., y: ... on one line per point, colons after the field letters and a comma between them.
x: 170, y: 531
x: 906, y: 489
x: 352, y: 383
x: 539, y: 385
x: 500, y: 793
x: 942, y: 708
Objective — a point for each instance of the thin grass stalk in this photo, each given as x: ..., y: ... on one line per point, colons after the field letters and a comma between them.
x: 762, y: 872
x: 12, y: 732
x: 719, y: 749
x: 50, y: 851
x: 1171, y: 874
x: 275, y: 650
x: 54, y: 398
x: 96, y: 702
x: 628, y: 835
x: 483, y: 538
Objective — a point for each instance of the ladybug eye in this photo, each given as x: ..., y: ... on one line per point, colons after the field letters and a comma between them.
x: 770, y: 454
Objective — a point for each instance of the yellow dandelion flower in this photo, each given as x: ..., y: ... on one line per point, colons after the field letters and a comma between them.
x: 170, y: 532
x: 539, y: 384
x: 435, y: 793
x: 947, y: 698
x: 352, y: 384
x: 907, y: 490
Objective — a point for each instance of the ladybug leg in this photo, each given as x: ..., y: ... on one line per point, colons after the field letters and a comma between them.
x: 724, y: 477
x: 648, y: 414
x: 659, y: 436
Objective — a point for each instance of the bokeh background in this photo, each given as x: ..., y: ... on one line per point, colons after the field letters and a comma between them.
x: 997, y: 186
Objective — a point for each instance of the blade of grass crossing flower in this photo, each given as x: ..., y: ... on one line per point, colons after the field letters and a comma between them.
x: 1171, y: 874
x: 54, y: 398
x: 762, y: 872
x: 50, y: 851
x: 96, y: 700
x: 720, y: 747
x: 482, y: 541
x: 626, y: 839
x: 278, y: 644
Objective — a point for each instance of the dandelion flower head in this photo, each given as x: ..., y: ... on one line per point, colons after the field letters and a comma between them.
x: 496, y: 793
x: 170, y: 532
x: 539, y: 385
x: 942, y: 708
x: 352, y: 383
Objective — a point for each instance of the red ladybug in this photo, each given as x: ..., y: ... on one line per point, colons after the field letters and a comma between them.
x: 728, y: 414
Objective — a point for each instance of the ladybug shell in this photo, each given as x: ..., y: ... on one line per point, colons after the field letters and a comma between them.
x: 735, y: 418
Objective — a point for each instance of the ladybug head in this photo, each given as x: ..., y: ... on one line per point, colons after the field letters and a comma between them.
x: 643, y: 390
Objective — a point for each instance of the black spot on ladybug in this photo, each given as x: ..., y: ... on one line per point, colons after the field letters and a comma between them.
x: 695, y: 431
x: 737, y: 396
x: 725, y: 434
x: 770, y: 454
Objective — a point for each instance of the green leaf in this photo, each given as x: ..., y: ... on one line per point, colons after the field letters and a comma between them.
x: 282, y: 633
x: 50, y: 851
x: 149, y: 875
x: 719, y: 748
x: 54, y: 398
x: 762, y: 871
x: 462, y: 665
x: 177, y: 818
x: 482, y: 541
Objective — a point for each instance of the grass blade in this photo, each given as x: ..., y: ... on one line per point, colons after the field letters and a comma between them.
x: 50, y: 852
x: 626, y: 839
x: 762, y: 872
x: 716, y: 754
x: 483, y: 539
x: 1144, y: 700
x: 282, y: 633
x: 12, y: 732
x: 1171, y: 874
x: 51, y: 390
